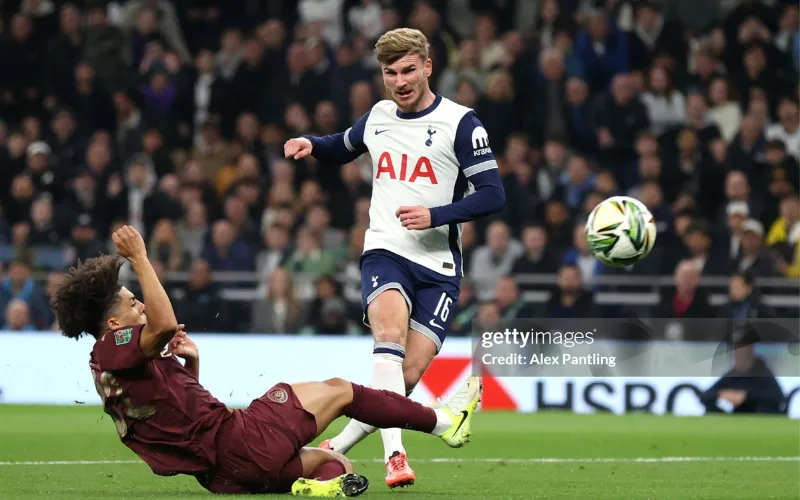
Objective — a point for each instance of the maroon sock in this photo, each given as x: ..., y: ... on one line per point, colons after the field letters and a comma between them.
x: 329, y: 470
x: 387, y: 410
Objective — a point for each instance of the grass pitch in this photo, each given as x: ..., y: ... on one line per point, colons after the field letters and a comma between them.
x: 67, y: 453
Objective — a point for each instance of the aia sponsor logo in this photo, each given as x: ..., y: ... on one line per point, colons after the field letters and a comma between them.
x: 421, y: 171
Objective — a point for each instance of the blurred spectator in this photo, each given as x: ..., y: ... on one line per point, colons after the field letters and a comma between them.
x: 333, y: 318
x: 226, y: 252
x: 738, y: 213
x: 654, y: 36
x: 318, y: 219
x: 46, y: 177
x: 276, y: 251
x: 571, y: 300
x: 163, y: 202
x: 697, y: 241
x: 666, y: 107
x: 193, y: 229
x: 310, y: 257
x: 788, y: 127
x: 744, y: 300
x: 466, y: 66
x: 236, y: 213
x: 508, y: 299
x: 493, y: 260
x: 754, y: 257
x: 19, y: 285
x: 148, y: 17
x: 603, y: 50
x: 85, y: 243
x: 200, y: 307
x: 748, y: 147
x: 166, y: 247
x: 725, y: 111
x: 91, y: 102
x: 279, y: 311
x: 18, y: 206
x: 748, y: 387
x: 687, y: 300
x: 581, y: 257
x: 619, y: 117
x: 538, y: 258
x: 43, y: 227
x: 575, y: 183
x: 107, y: 50
x: 496, y: 107
x: 17, y: 317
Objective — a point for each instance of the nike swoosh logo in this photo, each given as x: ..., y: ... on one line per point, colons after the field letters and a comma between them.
x: 433, y: 323
x: 463, y: 419
x: 381, y: 131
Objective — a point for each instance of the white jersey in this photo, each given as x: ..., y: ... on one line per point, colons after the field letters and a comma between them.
x: 423, y: 158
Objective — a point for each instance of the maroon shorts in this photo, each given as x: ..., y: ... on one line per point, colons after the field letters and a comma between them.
x: 258, y: 448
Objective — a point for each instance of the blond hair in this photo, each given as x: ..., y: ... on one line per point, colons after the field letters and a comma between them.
x: 398, y: 43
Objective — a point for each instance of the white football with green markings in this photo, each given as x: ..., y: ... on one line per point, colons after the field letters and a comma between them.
x: 620, y: 231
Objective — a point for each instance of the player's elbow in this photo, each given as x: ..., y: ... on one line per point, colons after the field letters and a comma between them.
x: 497, y: 200
x: 155, y: 336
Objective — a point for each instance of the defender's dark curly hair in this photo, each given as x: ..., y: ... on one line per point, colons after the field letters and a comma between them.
x: 86, y: 297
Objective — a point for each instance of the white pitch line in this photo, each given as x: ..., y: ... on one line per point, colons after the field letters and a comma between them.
x: 610, y: 460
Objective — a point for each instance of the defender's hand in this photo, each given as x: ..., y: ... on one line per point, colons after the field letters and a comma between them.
x: 297, y: 148
x: 129, y: 243
x: 182, y: 346
x: 414, y: 218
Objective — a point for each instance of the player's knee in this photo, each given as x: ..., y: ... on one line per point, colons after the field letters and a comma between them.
x: 338, y: 383
x: 390, y: 333
x: 339, y: 387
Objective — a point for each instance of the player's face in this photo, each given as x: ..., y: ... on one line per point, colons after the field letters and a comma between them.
x: 130, y: 311
x: 406, y: 80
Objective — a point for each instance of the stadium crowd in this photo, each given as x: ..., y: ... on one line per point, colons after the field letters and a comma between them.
x: 171, y: 117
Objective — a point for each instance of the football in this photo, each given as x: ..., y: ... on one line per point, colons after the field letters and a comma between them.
x: 620, y: 231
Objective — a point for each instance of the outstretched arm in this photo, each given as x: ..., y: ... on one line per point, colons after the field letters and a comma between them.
x: 161, y: 323
x: 334, y: 149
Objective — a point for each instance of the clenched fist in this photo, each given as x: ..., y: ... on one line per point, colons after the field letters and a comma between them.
x: 414, y: 218
x: 129, y: 243
x: 297, y: 148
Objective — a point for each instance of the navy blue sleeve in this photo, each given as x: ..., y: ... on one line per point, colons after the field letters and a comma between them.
x: 477, y: 163
x: 341, y: 148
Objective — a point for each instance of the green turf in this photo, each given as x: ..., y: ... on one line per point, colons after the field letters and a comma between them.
x: 29, y: 433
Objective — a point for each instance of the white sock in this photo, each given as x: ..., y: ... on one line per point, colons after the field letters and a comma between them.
x: 353, y: 433
x: 443, y: 422
x: 387, y: 374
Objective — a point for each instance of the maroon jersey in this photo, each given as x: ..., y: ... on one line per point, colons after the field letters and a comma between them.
x: 161, y: 411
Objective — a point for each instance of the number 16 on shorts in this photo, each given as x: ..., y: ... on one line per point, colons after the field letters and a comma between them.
x: 442, y: 312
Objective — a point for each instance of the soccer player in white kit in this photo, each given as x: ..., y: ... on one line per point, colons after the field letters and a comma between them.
x: 427, y: 153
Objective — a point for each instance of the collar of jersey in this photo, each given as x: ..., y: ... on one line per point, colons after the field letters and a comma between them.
x: 424, y: 112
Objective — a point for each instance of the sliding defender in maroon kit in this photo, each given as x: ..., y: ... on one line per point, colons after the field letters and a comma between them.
x: 176, y: 426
